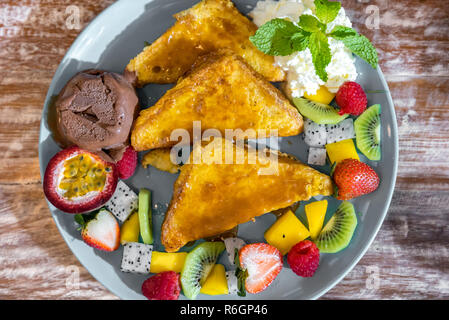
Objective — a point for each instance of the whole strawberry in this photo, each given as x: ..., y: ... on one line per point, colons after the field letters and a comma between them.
x: 351, y: 98
x: 304, y: 258
x: 354, y: 178
x: 127, y: 165
x: 162, y: 286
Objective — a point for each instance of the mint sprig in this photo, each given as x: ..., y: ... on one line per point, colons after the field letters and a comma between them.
x: 279, y: 37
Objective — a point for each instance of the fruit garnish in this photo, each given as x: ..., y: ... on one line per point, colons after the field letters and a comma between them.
x: 322, y: 95
x: 231, y: 245
x: 78, y: 181
x: 317, y: 156
x: 145, y: 219
x: 286, y: 232
x: 127, y: 165
x: 100, y: 230
x: 304, y: 258
x: 338, y: 231
x: 123, y: 202
x: 167, y: 261
x: 233, y: 287
x: 340, y: 131
x: 162, y: 286
x: 130, y: 229
x: 351, y: 98
x: 216, y: 283
x: 136, y: 257
x: 198, y: 265
x: 367, y: 131
x: 318, y: 112
x: 263, y: 262
x: 344, y: 149
x: 315, y: 213
x: 315, y: 135
x: 354, y: 178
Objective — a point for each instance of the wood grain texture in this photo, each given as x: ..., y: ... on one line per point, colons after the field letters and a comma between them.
x: 409, y: 258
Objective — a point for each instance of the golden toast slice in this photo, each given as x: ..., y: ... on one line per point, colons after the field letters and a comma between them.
x: 210, y: 198
x: 222, y: 92
x: 208, y: 26
x: 160, y: 159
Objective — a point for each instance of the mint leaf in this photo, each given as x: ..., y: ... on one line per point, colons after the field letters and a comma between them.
x: 321, y: 54
x: 275, y: 37
x: 311, y: 24
x: 327, y: 11
x: 341, y: 32
x: 300, y: 40
x: 361, y: 46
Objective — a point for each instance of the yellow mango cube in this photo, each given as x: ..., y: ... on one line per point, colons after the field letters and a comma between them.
x: 167, y: 261
x: 323, y: 95
x: 315, y: 212
x: 216, y: 283
x: 129, y: 232
x: 341, y: 150
x: 286, y: 232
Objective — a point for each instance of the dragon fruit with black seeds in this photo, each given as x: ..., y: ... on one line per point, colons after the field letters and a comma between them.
x: 315, y: 134
x: 317, y: 156
x: 341, y: 131
x: 232, y: 280
x: 232, y: 244
x: 136, y: 258
x: 123, y: 202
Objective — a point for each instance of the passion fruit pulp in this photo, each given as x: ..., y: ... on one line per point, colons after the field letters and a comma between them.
x: 77, y: 180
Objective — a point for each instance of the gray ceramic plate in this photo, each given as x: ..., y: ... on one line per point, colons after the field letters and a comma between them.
x: 108, y: 43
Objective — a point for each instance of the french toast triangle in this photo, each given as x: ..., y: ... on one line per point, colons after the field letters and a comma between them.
x: 211, y: 197
x: 208, y: 26
x: 223, y: 93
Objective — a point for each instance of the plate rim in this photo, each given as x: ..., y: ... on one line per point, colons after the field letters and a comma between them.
x: 314, y: 296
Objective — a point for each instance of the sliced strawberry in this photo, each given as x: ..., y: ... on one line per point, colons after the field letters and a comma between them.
x: 77, y: 181
x: 102, y: 232
x: 263, y: 263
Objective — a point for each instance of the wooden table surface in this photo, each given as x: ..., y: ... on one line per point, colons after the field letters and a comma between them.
x: 409, y: 258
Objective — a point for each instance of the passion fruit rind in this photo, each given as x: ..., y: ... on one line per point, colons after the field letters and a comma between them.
x: 78, y: 181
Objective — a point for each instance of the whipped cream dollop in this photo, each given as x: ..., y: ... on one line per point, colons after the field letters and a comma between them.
x: 301, y: 75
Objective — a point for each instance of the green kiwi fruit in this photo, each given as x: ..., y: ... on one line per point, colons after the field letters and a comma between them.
x: 367, y: 132
x: 197, y: 266
x: 318, y: 112
x: 338, y: 231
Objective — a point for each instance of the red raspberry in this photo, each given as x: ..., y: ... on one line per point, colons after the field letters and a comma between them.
x: 351, y: 98
x: 304, y: 258
x: 127, y: 165
x: 162, y: 286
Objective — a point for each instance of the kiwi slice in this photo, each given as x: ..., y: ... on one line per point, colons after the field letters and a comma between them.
x: 318, y: 112
x: 367, y: 132
x: 197, y: 266
x: 338, y: 231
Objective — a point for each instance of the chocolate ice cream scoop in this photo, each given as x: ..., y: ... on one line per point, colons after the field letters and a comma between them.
x: 95, y: 111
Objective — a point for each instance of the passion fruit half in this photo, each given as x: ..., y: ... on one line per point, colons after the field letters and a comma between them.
x: 78, y: 181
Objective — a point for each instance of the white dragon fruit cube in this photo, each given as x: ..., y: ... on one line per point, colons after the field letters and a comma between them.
x: 123, y: 202
x: 317, y: 156
x: 315, y: 135
x: 136, y: 258
x: 341, y: 131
